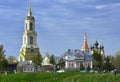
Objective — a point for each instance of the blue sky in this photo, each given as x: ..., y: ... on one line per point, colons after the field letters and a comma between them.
x: 60, y: 24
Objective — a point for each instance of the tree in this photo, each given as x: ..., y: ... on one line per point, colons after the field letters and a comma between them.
x: 82, y: 66
x: 97, y: 63
x: 107, y: 64
x: 11, y: 60
x: 112, y: 60
x: 3, y: 61
x: 117, y: 59
x: 37, y: 60
x: 52, y: 60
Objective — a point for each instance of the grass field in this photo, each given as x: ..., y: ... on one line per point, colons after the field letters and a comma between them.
x: 60, y: 77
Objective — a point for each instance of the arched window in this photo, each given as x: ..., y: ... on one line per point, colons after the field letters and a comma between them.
x: 69, y: 64
x: 32, y: 50
x: 31, y: 40
x: 72, y: 64
x: 31, y: 26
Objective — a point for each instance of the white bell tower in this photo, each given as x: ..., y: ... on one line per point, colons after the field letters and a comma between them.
x: 29, y: 35
x: 29, y: 45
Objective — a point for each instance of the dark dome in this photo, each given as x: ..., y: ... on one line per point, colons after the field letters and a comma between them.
x: 91, y: 47
x: 96, y: 44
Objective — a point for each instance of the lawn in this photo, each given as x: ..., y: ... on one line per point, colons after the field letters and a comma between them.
x: 59, y: 77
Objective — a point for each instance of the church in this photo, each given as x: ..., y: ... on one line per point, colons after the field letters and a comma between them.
x: 29, y: 48
x: 72, y: 59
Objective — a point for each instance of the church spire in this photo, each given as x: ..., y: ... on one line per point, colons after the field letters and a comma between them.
x: 85, y: 45
x: 85, y: 37
x: 29, y: 9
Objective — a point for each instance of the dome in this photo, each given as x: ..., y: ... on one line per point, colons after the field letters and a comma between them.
x: 96, y: 44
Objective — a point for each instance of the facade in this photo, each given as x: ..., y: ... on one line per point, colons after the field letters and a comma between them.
x: 29, y: 45
x: 29, y: 68
x: 23, y: 66
x: 73, y: 59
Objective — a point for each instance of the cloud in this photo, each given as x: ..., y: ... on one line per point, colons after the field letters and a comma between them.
x: 100, y: 6
x: 108, y: 6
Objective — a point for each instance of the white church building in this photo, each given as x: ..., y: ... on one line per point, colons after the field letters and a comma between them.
x: 74, y: 58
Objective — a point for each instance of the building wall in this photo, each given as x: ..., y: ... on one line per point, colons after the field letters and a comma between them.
x: 76, y: 64
x: 28, y: 68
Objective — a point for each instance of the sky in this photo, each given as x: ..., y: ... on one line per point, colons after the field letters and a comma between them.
x: 61, y: 24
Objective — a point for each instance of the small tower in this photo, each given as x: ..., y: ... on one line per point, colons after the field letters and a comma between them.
x: 29, y: 45
x: 102, y: 49
x: 85, y: 45
x: 92, y: 48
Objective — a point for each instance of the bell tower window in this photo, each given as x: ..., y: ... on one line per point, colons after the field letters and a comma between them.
x: 31, y: 26
x: 31, y: 50
x: 31, y: 40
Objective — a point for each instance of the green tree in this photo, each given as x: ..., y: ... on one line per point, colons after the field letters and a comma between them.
x: 107, y: 64
x: 52, y: 60
x: 117, y: 59
x: 37, y: 60
x: 3, y: 61
x: 112, y: 60
x: 82, y: 66
x: 11, y: 60
x: 97, y: 63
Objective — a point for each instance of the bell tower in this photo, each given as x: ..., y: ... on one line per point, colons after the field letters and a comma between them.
x: 29, y: 45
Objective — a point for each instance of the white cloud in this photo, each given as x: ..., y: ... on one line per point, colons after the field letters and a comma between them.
x: 107, y: 6
x: 100, y: 6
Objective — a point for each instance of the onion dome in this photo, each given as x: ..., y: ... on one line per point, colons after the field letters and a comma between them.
x: 96, y: 44
x: 91, y: 47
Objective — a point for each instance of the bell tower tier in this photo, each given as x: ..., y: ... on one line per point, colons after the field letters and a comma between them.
x: 29, y: 45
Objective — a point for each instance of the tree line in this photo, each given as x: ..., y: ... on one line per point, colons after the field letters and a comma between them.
x: 37, y: 60
x: 107, y: 63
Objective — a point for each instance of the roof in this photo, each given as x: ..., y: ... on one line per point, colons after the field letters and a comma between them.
x: 77, y: 55
x: 21, y: 63
x: 85, y: 45
x: 28, y: 65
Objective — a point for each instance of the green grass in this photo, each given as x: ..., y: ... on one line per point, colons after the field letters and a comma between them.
x: 59, y: 77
